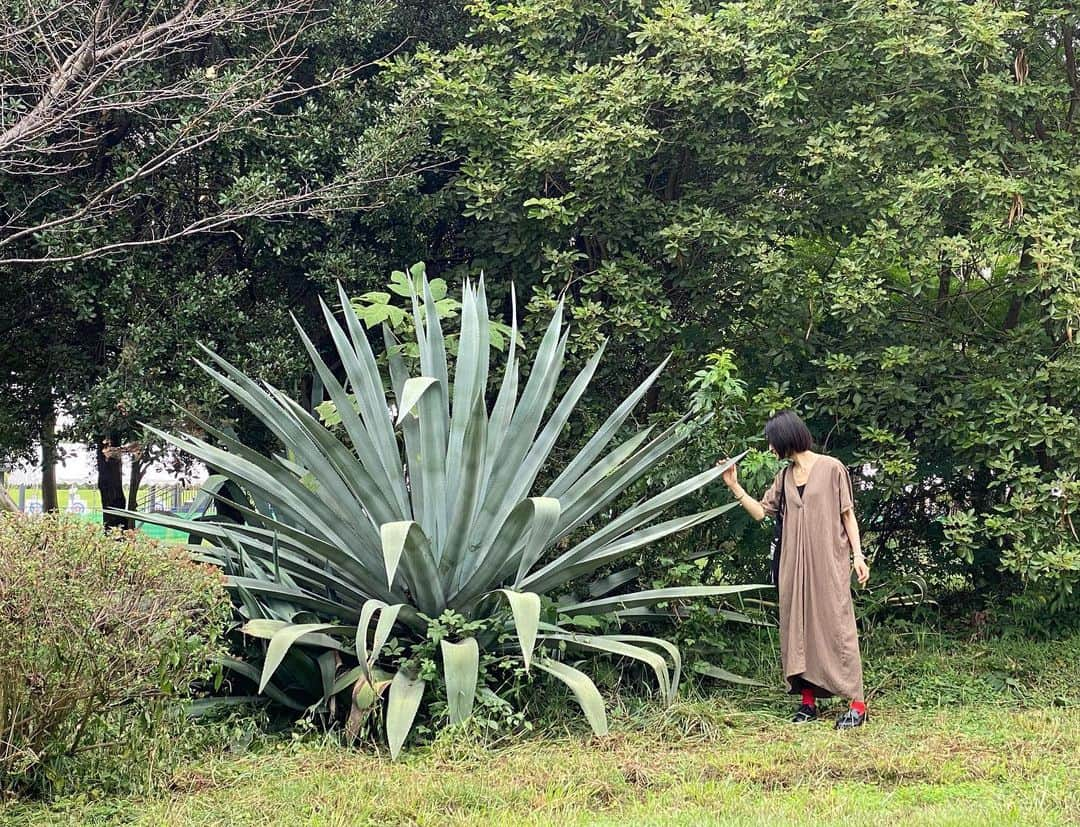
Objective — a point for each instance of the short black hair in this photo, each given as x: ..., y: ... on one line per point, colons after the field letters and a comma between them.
x: 788, y: 434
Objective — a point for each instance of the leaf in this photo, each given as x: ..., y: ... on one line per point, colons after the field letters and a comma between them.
x: 387, y: 617
x: 438, y: 289
x: 266, y: 629
x: 546, y: 511
x: 598, y: 588
x: 585, y: 691
x: 414, y: 389
x: 280, y: 644
x: 525, y: 607
x: 372, y: 297
x: 404, y: 542
x: 647, y: 598
x: 393, y: 537
x: 612, y: 645
x: 373, y: 314
x: 461, y: 665
x: 401, y: 707
x: 711, y: 671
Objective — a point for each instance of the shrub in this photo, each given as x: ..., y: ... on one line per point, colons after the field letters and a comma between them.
x: 445, y: 520
x: 98, y: 631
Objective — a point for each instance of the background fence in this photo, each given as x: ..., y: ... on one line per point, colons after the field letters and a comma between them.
x: 84, y: 502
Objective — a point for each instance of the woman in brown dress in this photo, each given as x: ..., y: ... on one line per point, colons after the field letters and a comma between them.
x: 820, y: 544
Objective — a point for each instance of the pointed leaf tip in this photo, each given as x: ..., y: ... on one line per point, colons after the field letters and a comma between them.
x: 394, y: 536
x: 525, y: 607
x: 401, y: 707
x: 414, y: 389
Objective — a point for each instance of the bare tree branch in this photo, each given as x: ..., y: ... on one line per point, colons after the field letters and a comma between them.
x: 167, y: 79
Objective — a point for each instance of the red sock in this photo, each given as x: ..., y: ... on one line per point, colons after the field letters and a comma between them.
x: 859, y: 706
x: 808, y: 697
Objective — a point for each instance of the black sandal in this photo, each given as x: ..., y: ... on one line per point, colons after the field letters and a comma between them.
x: 805, y: 714
x: 851, y: 719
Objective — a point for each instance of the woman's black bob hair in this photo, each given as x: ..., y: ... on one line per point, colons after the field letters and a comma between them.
x: 788, y: 434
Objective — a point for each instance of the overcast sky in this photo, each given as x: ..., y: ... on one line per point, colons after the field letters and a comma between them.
x: 80, y: 467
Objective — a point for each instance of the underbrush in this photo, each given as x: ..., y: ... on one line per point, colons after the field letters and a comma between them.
x: 954, y: 692
x: 101, y: 636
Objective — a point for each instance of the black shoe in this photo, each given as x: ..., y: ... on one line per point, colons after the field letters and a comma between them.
x: 805, y: 714
x: 851, y: 719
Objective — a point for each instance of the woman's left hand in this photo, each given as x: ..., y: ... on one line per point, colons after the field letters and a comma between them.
x: 862, y: 571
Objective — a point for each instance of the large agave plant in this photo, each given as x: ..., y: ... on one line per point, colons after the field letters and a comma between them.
x: 426, y: 503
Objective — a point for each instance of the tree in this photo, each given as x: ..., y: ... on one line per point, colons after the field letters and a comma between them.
x: 156, y: 162
x: 106, y: 95
x: 874, y: 207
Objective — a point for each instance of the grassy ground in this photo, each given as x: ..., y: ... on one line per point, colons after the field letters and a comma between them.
x: 960, y: 733
x: 91, y: 498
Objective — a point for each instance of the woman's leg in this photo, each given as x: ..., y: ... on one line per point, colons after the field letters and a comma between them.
x: 855, y: 716
x: 807, y: 710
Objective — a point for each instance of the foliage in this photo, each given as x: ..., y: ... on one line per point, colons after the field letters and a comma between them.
x: 108, y: 340
x: 1035, y: 538
x: 874, y: 207
x: 101, y: 634
x: 963, y: 730
x: 447, y: 545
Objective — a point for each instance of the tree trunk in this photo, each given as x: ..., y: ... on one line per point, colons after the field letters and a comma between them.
x: 110, y: 484
x: 6, y: 503
x: 49, y: 500
x: 134, y: 480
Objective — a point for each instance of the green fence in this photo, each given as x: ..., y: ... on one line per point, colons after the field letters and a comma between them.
x: 88, y: 507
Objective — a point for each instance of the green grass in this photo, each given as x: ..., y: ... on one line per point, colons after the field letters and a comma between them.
x: 92, y: 498
x: 960, y: 733
x: 699, y: 763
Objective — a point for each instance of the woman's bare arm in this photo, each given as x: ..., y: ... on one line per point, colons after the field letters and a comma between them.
x: 851, y: 527
x: 754, y: 508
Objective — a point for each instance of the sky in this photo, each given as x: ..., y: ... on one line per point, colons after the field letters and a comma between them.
x: 78, y: 466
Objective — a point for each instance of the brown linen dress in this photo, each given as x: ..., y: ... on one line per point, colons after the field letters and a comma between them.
x: 819, y: 644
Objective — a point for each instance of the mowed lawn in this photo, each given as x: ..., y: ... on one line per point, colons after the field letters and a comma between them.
x: 961, y: 733
x: 91, y: 498
x: 696, y: 764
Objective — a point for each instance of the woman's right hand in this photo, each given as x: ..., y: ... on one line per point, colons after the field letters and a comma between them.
x: 730, y: 476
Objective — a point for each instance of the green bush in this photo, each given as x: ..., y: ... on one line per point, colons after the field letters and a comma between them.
x: 458, y: 523
x: 98, y: 632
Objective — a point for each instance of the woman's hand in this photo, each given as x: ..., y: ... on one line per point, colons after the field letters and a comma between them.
x: 730, y: 476
x: 862, y: 571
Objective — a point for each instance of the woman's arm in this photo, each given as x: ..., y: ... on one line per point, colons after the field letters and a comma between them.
x: 851, y: 527
x: 752, y: 506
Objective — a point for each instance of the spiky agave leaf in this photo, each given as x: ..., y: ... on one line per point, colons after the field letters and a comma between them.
x: 425, y: 502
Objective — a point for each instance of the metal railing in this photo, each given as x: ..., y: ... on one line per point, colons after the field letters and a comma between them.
x: 174, y: 499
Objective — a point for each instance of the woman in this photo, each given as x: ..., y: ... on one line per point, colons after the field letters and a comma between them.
x: 819, y: 645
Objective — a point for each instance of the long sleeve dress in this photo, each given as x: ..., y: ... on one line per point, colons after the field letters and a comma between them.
x: 819, y: 643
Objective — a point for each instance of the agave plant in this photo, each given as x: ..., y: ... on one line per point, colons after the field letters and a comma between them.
x: 423, y: 502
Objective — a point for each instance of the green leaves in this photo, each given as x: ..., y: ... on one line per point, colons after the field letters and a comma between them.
x: 402, y: 704
x: 461, y: 663
x: 585, y: 692
x: 445, y: 545
x: 526, y: 610
x: 414, y: 390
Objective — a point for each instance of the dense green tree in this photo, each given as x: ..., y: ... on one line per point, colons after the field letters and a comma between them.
x: 275, y: 186
x: 875, y: 206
